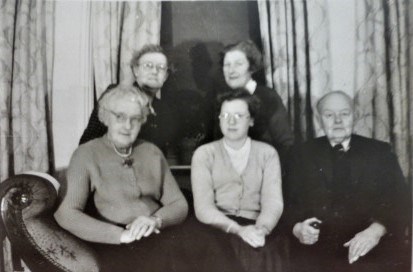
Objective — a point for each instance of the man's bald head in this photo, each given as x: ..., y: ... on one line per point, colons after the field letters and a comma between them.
x: 334, y: 94
x: 336, y: 115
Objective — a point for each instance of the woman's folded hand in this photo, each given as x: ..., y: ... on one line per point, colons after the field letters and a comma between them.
x: 143, y: 226
x: 251, y: 235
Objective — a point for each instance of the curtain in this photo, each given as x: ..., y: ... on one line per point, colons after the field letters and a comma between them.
x: 26, y: 46
x: 383, y: 86
x: 295, y: 65
x: 119, y: 29
x: 296, y: 38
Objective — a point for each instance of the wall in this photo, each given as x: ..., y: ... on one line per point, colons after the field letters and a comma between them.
x: 72, y: 78
x: 342, y: 45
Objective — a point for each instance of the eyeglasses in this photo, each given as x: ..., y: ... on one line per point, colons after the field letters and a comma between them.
x: 122, y: 118
x: 236, y: 116
x: 148, y: 66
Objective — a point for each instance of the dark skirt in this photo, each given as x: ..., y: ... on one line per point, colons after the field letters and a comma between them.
x: 155, y: 253
x: 235, y: 254
x: 272, y: 257
x: 183, y: 248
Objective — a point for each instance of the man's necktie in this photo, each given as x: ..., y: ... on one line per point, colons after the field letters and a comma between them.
x: 338, y: 148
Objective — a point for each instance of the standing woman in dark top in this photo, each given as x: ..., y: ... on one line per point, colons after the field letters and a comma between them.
x: 150, y: 67
x: 239, y: 62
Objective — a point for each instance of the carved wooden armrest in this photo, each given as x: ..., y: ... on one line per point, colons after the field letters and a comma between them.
x: 28, y: 202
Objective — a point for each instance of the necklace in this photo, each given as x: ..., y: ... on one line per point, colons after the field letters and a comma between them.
x: 127, y: 161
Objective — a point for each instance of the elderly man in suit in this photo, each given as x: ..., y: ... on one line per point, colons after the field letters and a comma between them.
x: 345, y: 196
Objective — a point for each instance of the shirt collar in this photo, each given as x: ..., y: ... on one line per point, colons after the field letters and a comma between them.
x: 158, y: 94
x: 345, y: 144
x: 151, y: 98
x: 251, y: 86
x: 246, y: 146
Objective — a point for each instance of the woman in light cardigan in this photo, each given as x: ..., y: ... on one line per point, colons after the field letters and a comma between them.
x: 236, y: 185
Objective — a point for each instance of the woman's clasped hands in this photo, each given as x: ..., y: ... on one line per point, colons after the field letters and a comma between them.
x: 253, y: 235
x: 142, y: 226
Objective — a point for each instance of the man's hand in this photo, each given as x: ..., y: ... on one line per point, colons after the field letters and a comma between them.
x: 305, y: 233
x: 252, y: 235
x: 364, y: 241
x: 143, y: 226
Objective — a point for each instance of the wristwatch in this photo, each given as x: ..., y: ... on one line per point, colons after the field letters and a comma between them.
x: 158, y: 221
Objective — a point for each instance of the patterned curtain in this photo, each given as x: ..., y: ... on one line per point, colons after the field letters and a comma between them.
x: 26, y: 46
x: 118, y: 29
x: 296, y: 43
x: 383, y: 86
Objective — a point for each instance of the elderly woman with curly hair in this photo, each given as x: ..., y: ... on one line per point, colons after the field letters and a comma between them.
x: 133, y: 192
x: 240, y: 61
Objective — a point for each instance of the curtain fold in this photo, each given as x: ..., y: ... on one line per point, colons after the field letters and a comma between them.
x: 296, y: 39
x: 26, y: 67
x: 119, y: 29
x: 26, y: 57
x: 7, y: 11
x: 383, y: 85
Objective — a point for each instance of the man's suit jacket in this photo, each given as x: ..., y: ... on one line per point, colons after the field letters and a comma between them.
x: 375, y: 190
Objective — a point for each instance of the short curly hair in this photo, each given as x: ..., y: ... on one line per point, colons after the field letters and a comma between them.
x: 114, y: 92
x: 250, y: 50
x: 252, y: 101
x: 149, y: 48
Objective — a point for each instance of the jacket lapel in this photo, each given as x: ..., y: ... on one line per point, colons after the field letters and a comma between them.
x: 323, y: 159
x: 356, y: 158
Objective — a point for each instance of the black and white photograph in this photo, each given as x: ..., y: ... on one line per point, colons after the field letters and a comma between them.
x: 206, y: 135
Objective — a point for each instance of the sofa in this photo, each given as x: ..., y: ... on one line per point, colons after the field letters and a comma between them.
x: 28, y: 202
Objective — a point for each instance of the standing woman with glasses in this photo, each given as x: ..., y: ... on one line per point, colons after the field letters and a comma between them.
x: 133, y: 194
x: 236, y: 183
x: 151, y: 69
x: 240, y: 61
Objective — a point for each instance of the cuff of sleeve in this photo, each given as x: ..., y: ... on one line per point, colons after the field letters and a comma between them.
x: 158, y: 221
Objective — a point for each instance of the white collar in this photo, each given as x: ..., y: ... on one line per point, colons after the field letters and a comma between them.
x: 239, y: 157
x: 251, y: 86
x: 158, y: 94
x: 345, y: 144
x: 244, y: 148
x: 151, y: 98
